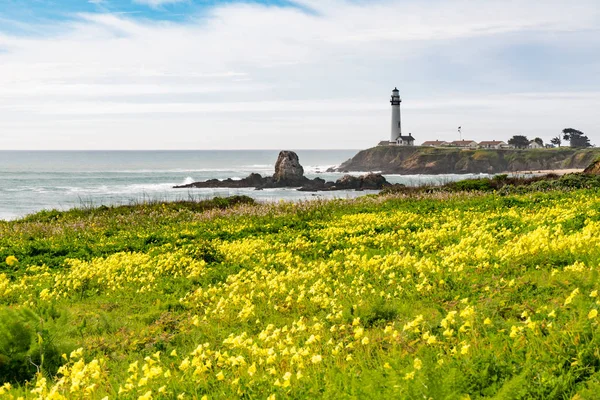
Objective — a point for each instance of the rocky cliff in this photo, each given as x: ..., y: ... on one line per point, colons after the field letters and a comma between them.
x: 428, y: 160
x: 593, y: 168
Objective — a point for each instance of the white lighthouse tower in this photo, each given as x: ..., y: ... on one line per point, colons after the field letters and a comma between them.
x: 396, y: 126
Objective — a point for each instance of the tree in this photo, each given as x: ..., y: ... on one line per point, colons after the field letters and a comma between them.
x: 576, y: 138
x: 539, y: 141
x: 556, y: 141
x: 519, y: 141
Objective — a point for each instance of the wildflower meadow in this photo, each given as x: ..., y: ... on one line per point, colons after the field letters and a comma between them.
x: 428, y: 296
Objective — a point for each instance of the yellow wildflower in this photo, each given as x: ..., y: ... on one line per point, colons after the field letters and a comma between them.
x: 11, y: 261
x: 417, y: 364
x: 146, y: 396
x: 570, y: 298
x: 185, y: 364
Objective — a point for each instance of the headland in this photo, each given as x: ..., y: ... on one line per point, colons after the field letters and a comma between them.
x: 438, y: 160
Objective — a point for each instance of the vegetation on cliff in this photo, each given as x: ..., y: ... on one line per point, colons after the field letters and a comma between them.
x: 428, y: 160
x: 438, y: 295
x: 503, y: 184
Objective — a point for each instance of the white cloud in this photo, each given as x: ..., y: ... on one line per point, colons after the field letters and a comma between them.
x: 156, y: 3
x: 269, y: 76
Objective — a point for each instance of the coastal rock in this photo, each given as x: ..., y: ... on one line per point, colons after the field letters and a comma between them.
x: 288, y: 171
x: 593, y: 168
x: 348, y: 181
x: 373, y: 181
x: 369, y: 181
x: 252, y: 180
x: 315, y: 185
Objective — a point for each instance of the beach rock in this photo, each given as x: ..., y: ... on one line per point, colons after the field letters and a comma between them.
x: 288, y: 171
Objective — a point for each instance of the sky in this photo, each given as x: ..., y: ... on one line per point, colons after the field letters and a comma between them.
x: 297, y: 74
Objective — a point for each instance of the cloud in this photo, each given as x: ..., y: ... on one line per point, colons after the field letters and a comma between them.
x: 317, y: 75
x: 157, y: 3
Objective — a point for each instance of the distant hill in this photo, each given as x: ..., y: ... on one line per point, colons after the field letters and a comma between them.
x: 428, y: 160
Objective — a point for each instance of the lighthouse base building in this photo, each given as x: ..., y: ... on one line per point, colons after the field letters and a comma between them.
x: 405, y: 140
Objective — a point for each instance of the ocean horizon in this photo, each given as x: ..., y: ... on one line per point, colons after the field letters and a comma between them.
x: 35, y: 180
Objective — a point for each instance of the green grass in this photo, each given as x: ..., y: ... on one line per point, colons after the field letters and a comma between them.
x: 344, y: 295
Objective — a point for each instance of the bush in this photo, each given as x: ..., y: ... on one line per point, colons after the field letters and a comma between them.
x: 471, y: 185
x: 25, y: 346
x: 579, y: 181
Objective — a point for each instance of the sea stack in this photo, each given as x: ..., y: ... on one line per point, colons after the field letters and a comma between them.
x: 288, y: 170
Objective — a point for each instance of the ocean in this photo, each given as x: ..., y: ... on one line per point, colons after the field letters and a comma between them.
x: 31, y: 181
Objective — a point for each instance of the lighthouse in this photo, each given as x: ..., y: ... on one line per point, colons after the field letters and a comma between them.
x: 396, y: 126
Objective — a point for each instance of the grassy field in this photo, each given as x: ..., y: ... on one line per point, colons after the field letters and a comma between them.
x: 441, y: 296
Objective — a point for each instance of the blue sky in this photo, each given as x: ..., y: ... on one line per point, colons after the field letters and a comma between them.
x: 40, y: 11
x: 155, y: 74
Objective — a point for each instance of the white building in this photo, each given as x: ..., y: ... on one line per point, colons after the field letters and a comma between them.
x: 493, y: 144
x: 435, y: 143
x: 535, y: 145
x: 468, y: 144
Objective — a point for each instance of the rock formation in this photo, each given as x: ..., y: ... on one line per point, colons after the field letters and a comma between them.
x: 369, y: 181
x: 593, y: 168
x: 289, y: 173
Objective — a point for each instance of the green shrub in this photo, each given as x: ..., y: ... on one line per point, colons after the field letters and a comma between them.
x: 471, y: 185
x: 579, y: 181
x: 25, y: 346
